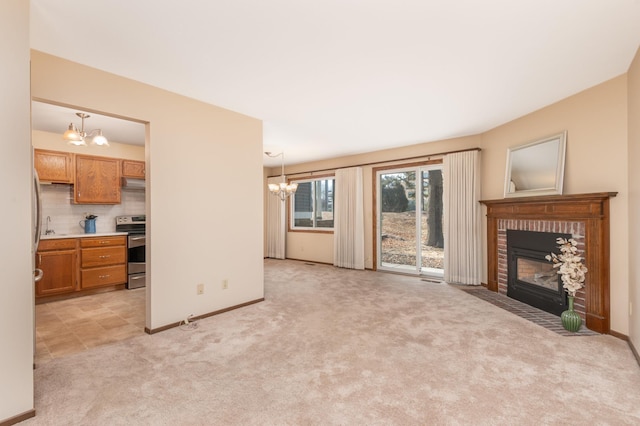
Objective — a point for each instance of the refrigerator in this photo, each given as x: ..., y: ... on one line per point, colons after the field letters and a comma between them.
x: 37, y: 225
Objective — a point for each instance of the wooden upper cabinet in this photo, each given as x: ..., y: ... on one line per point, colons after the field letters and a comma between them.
x: 53, y: 166
x: 97, y: 180
x: 133, y: 169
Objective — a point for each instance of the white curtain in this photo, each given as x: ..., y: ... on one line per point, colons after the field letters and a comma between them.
x: 348, y: 219
x: 462, y: 220
x: 276, y: 223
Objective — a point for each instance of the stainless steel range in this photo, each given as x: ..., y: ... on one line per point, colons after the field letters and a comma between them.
x: 135, y: 225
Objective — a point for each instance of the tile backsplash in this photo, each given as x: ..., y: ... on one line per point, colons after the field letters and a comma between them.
x: 57, y: 204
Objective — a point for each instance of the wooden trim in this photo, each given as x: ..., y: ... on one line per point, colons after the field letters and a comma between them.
x: 290, y: 227
x: 310, y: 177
x: 406, y: 165
x: 312, y: 231
x: 374, y: 218
x: 593, y: 210
x: 619, y: 335
x: 635, y: 352
x: 373, y: 163
x: 560, y: 207
x: 210, y: 314
x: 19, y: 418
x: 309, y: 261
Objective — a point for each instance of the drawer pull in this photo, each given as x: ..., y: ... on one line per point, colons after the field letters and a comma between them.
x: 104, y: 276
x: 104, y: 242
x: 104, y: 256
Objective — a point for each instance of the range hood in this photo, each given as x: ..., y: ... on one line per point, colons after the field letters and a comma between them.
x: 133, y: 183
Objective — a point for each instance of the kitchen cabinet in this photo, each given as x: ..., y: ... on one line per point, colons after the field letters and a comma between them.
x: 97, y: 180
x: 53, y: 166
x: 103, y: 261
x: 58, y: 261
x: 133, y: 169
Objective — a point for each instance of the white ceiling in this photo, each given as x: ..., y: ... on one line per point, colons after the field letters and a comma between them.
x: 56, y: 119
x: 338, y: 77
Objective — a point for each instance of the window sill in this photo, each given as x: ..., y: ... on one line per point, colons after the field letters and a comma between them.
x: 313, y: 231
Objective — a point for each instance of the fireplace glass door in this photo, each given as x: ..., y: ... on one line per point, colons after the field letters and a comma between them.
x: 538, y: 273
x: 531, y: 278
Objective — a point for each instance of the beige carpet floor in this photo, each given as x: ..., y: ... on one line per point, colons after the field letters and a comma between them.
x: 340, y: 347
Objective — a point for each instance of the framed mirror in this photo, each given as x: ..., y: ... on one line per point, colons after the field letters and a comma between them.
x: 536, y: 168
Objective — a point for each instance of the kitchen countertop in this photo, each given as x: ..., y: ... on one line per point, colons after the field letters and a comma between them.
x: 81, y: 235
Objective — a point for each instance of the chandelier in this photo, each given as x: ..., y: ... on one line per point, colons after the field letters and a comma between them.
x: 77, y: 138
x: 282, y: 189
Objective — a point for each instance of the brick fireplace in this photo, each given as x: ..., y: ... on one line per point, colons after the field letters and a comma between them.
x: 583, y: 216
x: 509, y: 267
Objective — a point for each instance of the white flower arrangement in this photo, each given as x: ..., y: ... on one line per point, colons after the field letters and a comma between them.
x: 570, y: 265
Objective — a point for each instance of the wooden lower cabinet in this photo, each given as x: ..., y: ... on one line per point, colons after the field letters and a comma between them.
x: 73, y: 265
x: 103, y: 261
x: 109, y: 275
x: 58, y: 261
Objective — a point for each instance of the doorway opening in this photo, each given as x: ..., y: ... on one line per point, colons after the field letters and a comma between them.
x: 409, y: 225
x: 83, y: 300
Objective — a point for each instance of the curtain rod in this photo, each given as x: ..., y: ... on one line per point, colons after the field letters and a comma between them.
x: 428, y: 156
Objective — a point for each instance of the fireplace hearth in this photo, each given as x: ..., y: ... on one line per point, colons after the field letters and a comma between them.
x: 530, y: 277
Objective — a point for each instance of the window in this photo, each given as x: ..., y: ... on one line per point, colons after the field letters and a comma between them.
x: 312, y: 204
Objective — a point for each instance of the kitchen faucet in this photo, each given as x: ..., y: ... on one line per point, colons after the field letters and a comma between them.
x: 49, y: 231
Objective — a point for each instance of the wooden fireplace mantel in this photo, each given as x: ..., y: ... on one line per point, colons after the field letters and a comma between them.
x: 590, y: 209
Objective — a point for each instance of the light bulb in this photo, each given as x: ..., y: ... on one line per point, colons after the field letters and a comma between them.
x: 72, y: 135
x: 80, y: 142
x: 274, y: 187
x: 100, y: 140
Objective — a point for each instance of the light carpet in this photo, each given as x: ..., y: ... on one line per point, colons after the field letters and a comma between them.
x: 333, y: 346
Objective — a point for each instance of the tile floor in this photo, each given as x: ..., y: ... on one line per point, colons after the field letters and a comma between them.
x: 535, y: 315
x: 74, y: 325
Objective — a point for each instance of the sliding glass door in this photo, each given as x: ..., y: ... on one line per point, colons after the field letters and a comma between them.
x: 409, y: 212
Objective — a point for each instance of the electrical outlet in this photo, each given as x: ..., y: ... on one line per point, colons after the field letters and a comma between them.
x: 200, y: 288
x: 225, y: 284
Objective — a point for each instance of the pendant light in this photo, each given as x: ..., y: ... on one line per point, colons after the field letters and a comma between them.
x: 78, y: 138
x: 283, y: 189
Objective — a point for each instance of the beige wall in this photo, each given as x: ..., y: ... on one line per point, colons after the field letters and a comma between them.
x: 318, y: 247
x: 199, y: 231
x: 596, y: 161
x: 16, y: 284
x: 53, y: 141
x: 633, y: 82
